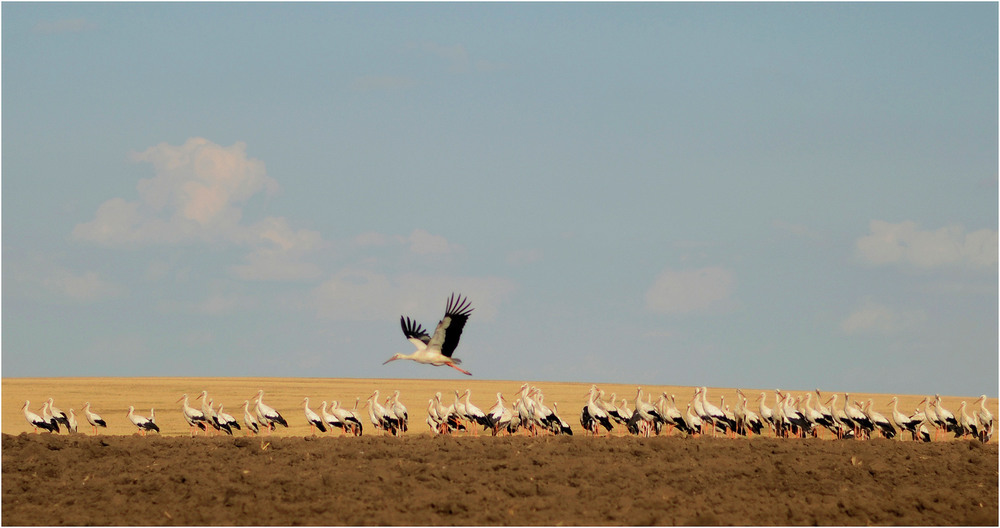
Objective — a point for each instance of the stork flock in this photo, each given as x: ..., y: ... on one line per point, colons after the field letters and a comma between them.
x: 791, y: 416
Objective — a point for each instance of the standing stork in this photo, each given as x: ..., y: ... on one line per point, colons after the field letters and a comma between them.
x: 93, y: 418
x: 266, y: 415
x: 593, y: 415
x: 35, y: 420
x: 141, y: 422
x: 72, y: 422
x: 253, y: 427
x: 985, y: 419
x: 47, y: 416
x: 226, y: 418
x: 58, y: 414
x: 475, y: 414
x: 314, y: 420
x: 437, y: 350
x: 400, y: 411
x: 194, y: 418
x: 902, y: 421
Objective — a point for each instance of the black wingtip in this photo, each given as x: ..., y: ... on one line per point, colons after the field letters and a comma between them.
x: 457, y: 305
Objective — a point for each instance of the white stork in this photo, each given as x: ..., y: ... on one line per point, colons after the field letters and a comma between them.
x: 228, y: 419
x: 266, y: 415
x: 193, y: 417
x: 967, y: 424
x: 902, y: 421
x: 141, y: 422
x: 437, y: 350
x: 253, y: 427
x: 499, y: 415
x: 314, y: 420
x: 58, y: 414
x: 433, y: 421
x: 946, y: 416
x: 985, y: 419
x: 593, y: 415
x: 35, y: 420
x: 376, y: 414
x: 349, y: 420
x: 475, y: 414
x: 355, y: 419
x: 47, y: 416
x: 400, y: 411
x: 329, y: 418
x: 879, y: 420
x: 93, y: 418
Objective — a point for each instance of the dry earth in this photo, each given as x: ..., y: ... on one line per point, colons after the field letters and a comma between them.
x: 119, y: 478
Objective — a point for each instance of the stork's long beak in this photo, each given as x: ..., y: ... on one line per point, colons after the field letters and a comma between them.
x: 393, y: 358
x: 180, y: 399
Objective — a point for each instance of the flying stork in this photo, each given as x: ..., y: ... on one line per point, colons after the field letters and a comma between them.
x: 437, y: 350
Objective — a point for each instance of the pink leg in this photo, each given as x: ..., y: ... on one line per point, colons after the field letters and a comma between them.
x: 466, y: 372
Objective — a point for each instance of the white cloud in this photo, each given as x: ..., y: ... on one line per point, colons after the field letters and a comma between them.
x: 690, y: 291
x: 196, y: 195
x: 873, y: 317
x: 947, y: 247
x: 363, y: 295
x: 85, y: 286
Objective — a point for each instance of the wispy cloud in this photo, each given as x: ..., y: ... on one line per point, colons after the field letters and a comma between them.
x: 690, y: 291
x: 876, y: 318
x: 43, y: 277
x: 70, y: 25
x: 197, y: 195
x: 948, y: 247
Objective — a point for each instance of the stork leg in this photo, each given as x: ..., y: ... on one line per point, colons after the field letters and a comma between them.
x: 456, y: 367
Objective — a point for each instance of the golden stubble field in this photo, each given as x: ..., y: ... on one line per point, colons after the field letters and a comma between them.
x: 111, y: 398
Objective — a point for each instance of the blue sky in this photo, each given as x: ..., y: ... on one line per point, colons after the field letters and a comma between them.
x: 754, y: 195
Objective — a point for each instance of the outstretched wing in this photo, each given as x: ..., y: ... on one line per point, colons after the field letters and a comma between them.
x: 412, y: 330
x: 449, y: 330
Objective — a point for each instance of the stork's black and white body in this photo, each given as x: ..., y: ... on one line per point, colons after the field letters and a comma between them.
x: 329, y: 418
x: 474, y: 414
x: 985, y: 420
x: 194, y: 418
x: 399, y: 411
x: 902, y: 421
x: 967, y: 424
x: 51, y: 420
x: 377, y: 415
x: 350, y: 422
x: 437, y: 349
x: 58, y: 414
x: 266, y: 415
x: 946, y: 416
x: 72, y: 427
x: 93, y: 418
x: 36, y: 421
x: 314, y: 420
x: 881, y: 423
x: 593, y: 416
x: 227, y: 419
x: 499, y: 416
x: 143, y: 423
x: 251, y: 423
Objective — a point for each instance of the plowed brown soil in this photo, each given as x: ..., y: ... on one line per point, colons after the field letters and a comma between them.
x: 423, y: 480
